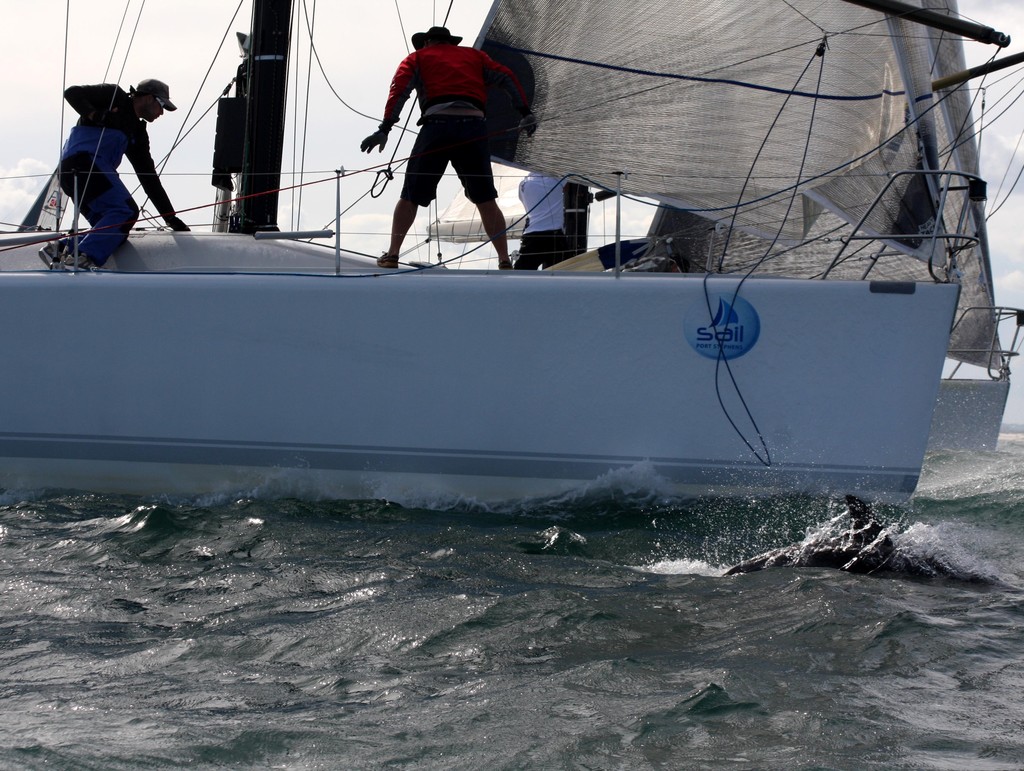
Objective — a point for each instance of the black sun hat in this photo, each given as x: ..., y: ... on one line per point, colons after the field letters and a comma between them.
x: 434, y: 33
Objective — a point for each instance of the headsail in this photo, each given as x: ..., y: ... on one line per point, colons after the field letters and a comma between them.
x: 771, y: 131
x: 722, y: 109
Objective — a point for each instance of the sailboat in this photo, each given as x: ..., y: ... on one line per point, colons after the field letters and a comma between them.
x: 251, y: 359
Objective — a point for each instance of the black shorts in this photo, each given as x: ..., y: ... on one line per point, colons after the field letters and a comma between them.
x: 461, y: 141
x: 542, y: 248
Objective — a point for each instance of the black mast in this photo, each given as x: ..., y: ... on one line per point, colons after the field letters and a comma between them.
x: 250, y: 126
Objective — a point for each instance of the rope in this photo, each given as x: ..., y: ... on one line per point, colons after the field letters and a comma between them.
x: 698, y: 78
x: 819, y: 53
x: 117, y: 38
x: 182, y: 132
x: 297, y: 209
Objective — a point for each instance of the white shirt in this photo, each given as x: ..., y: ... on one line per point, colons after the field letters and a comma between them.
x: 541, y: 196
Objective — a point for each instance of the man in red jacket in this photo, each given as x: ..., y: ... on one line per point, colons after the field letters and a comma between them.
x: 451, y: 86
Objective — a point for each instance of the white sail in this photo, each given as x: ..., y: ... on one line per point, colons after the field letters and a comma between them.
x: 723, y: 113
x: 460, y: 222
x: 45, y: 213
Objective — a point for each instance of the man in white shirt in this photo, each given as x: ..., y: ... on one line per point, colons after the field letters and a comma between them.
x: 544, y: 242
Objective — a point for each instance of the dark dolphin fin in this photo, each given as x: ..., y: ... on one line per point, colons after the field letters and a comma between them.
x: 862, y: 549
x: 860, y: 512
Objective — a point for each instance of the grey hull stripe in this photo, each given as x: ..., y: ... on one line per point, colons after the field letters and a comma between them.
x: 380, y: 459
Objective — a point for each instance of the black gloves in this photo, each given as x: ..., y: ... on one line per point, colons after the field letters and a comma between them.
x: 528, y: 123
x: 378, y: 137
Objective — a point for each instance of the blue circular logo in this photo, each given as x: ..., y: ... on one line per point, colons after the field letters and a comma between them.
x: 730, y: 329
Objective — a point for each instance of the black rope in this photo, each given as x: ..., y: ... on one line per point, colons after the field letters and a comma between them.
x: 819, y: 53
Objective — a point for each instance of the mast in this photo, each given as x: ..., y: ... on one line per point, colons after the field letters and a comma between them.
x: 251, y: 125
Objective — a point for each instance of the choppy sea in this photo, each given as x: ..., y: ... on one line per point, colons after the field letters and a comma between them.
x: 595, y: 631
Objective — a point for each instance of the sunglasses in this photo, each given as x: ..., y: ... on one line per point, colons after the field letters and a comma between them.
x: 161, y: 102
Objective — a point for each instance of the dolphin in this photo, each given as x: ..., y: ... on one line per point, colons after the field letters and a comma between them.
x: 865, y: 548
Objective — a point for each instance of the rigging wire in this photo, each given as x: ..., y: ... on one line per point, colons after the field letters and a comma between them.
x: 63, y: 88
x: 297, y: 209
x: 117, y: 39
x: 978, y: 127
x: 1006, y: 173
x: 401, y: 25
x: 131, y: 40
x: 383, y: 176
x: 1016, y: 180
x: 305, y: 120
x: 327, y: 79
x: 819, y: 53
x: 113, y: 94
x: 294, y: 54
x: 195, y: 100
x: 182, y: 132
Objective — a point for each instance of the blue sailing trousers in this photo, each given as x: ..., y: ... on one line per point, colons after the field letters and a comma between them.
x: 88, y: 167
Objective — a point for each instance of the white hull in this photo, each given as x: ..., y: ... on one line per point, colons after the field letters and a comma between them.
x: 483, y: 385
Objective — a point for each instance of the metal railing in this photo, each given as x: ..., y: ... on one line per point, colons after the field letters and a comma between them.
x: 996, y: 352
x: 944, y: 237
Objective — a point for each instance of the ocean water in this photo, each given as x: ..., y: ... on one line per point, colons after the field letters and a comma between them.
x: 595, y: 631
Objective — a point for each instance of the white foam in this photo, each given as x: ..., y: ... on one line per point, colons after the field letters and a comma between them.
x: 681, y: 567
x: 952, y: 543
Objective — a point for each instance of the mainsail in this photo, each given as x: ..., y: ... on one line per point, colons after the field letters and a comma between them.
x: 777, y: 135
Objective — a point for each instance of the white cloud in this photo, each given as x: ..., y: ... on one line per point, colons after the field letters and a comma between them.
x: 1012, y: 281
x: 19, y: 186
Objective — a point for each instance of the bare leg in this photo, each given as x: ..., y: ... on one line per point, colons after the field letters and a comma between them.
x: 405, y: 215
x: 494, y: 223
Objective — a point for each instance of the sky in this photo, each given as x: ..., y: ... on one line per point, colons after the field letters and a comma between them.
x: 358, y: 45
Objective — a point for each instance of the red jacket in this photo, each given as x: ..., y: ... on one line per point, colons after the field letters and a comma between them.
x: 443, y: 73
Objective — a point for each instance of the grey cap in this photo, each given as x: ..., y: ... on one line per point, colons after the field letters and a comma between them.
x: 159, y: 89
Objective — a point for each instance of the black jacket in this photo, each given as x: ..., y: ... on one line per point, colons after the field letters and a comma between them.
x: 108, y: 106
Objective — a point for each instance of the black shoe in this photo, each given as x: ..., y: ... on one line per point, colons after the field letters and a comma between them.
x: 85, y: 262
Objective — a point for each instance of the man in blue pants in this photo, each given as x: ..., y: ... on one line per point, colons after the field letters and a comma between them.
x: 112, y: 125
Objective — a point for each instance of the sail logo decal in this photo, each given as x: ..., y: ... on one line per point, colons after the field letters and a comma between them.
x: 730, y: 332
